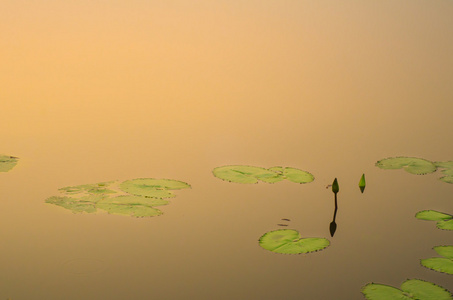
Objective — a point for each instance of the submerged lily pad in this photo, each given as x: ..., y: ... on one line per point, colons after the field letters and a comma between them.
x: 146, y: 194
x: 289, y: 241
x: 410, y: 289
x: 7, y: 162
x: 413, y: 165
x: 250, y: 174
x: 441, y: 264
x: 445, y: 221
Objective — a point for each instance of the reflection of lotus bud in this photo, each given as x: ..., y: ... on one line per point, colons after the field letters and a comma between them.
x: 335, y: 186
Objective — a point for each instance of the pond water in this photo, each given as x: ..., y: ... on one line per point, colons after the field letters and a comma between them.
x: 97, y: 91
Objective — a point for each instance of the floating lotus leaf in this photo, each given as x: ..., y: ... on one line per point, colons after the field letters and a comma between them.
x: 445, y: 221
x: 432, y: 215
x: 444, y: 164
x: 441, y: 264
x: 80, y: 205
x: 447, y: 167
x: 129, y: 210
x: 413, y: 165
x: 246, y: 174
x: 96, y: 188
x: 298, y: 176
x: 410, y: 289
x: 289, y: 241
x: 149, y: 187
x: 250, y: 174
x: 445, y: 225
x: 144, y: 195
x: 134, y: 200
x: 447, y: 179
x: 7, y: 162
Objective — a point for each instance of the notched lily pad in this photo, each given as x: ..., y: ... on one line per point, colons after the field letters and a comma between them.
x: 289, y: 241
x: 7, y: 162
x: 145, y: 194
x: 444, y: 221
x: 411, y: 289
x: 413, y: 165
x: 441, y: 264
x: 250, y: 174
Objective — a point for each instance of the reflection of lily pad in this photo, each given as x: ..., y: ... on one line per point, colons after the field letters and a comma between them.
x: 250, y: 174
x: 445, y: 221
x: 289, y: 241
x: 410, y: 289
x: 7, y: 162
x: 413, y: 165
x: 90, y: 198
x: 441, y: 264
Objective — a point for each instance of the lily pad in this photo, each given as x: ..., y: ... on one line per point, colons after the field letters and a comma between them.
x: 413, y: 165
x: 432, y: 215
x: 447, y: 167
x: 145, y: 194
x: 441, y: 264
x: 289, y: 241
x: 130, y: 210
x: 410, y: 289
x: 444, y: 221
x: 250, y: 174
x: 149, y: 187
x: 75, y: 205
x: 445, y: 225
x: 7, y: 162
x: 95, y: 188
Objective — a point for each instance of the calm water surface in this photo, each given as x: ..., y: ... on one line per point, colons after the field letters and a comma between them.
x: 97, y: 91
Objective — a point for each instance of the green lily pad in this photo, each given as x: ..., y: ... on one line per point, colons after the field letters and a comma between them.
x: 432, y: 215
x: 297, y: 176
x: 87, y: 205
x: 444, y: 164
x: 413, y: 165
x: 445, y: 225
x: 129, y: 210
x: 144, y: 195
x: 7, y: 162
x: 133, y: 200
x: 444, y: 221
x: 441, y: 264
x: 447, y: 179
x: 149, y: 187
x: 250, y: 174
x: 410, y: 289
x: 289, y: 241
x: 95, y: 188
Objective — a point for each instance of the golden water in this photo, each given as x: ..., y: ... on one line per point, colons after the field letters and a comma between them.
x: 94, y: 91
